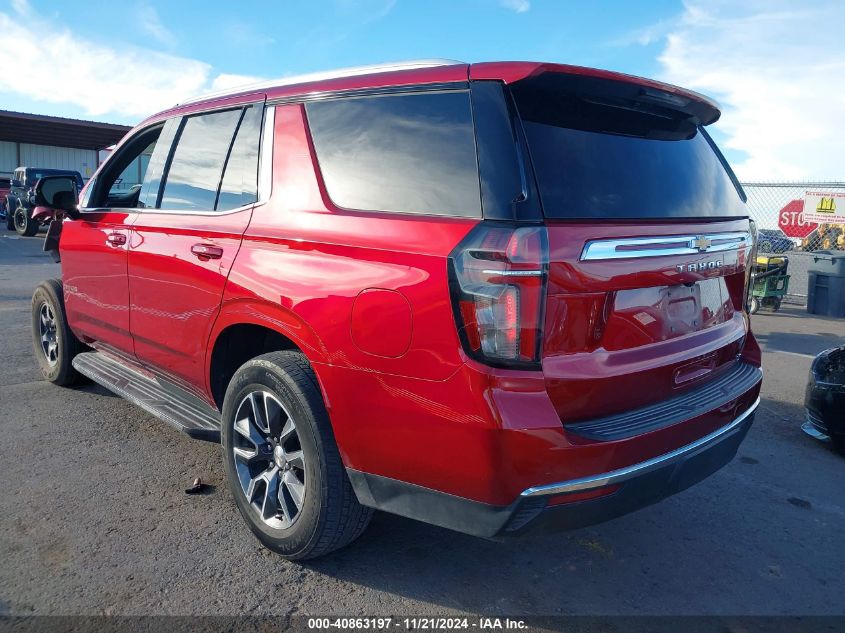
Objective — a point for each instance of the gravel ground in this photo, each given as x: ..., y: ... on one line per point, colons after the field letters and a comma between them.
x: 93, y: 517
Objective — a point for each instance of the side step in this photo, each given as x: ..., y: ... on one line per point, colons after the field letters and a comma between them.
x: 184, y: 412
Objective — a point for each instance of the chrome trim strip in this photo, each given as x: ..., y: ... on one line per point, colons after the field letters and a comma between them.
x: 265, y: 155
x: 636, y: 247
x: 383, y: 91
x: 152, y: 211
x: 322, y: 76
x: 629, y: 472
x: 513, y: 273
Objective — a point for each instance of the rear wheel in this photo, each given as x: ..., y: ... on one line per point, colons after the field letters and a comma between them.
x: 765, y: 246
x: 24, y: 224
x: 281, y: 460
x: 55, y: 346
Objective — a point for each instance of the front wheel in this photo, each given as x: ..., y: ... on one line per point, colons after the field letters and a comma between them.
x: 755, y: 305
x: 24, y: 224
x: 54, y: 344
x: 281, y: 460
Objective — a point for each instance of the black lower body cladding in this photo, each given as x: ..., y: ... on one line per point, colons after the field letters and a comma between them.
x: 825, y: 395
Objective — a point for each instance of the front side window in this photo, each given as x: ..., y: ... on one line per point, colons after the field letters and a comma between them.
x: 407, y: 153
x: 125, y: 178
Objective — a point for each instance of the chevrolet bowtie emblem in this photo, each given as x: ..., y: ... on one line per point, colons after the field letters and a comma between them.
x: 701, y: 244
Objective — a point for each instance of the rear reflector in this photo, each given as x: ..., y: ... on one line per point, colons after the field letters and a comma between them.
x: 498, y: 282
x: 585, y: 495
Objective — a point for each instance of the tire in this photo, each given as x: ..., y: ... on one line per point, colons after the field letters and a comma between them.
x: 24, y: 224
x: 755, y: 305
x: 55, y: 346
x: 10, y: 216
x: 294, y: 454
x: 765, y: 247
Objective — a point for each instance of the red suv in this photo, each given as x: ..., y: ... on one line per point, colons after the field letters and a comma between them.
x: 499, y: 297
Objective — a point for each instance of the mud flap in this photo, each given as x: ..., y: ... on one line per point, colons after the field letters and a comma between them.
x: 51, y: 240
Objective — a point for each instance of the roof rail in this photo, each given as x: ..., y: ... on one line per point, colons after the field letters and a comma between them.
x: 323, y: 75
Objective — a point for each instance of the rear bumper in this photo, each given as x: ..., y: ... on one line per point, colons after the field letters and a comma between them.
x: 622, y: 491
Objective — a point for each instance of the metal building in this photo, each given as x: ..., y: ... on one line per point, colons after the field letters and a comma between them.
x: 34, y: 140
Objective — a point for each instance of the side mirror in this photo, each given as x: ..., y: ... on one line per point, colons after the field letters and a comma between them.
x: 58, y: 193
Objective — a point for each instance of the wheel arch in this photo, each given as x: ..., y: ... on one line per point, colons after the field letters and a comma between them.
x: 246, y: 329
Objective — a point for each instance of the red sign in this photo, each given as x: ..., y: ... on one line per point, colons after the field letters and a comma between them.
x: 791, y: 220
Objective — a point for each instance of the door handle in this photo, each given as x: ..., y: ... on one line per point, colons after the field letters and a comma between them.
x: 207, y: 251
x: 116, y: 239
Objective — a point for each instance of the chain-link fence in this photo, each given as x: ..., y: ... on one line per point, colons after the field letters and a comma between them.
x: 777, y: 208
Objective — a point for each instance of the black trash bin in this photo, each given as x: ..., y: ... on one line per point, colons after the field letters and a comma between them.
x: 826, y: 285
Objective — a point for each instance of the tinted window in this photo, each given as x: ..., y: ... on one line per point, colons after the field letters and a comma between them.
x: 240, y: 178
x: 412, y: 153
x: 597, y: 160
x: 155, y: 166
x: 197, y: 164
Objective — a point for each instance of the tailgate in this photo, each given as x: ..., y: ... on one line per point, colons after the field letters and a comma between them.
x: 637, y: 314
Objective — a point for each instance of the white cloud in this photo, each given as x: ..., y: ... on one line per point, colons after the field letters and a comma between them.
x: 151, y: 24
x: 21, y: 7
x: 62, y: 68
x: 225, y: 81
x: 520, y: 6
x: 777, y: 69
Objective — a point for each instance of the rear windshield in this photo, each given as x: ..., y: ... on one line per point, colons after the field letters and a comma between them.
x: 33, y: 176
x: 595, y: 158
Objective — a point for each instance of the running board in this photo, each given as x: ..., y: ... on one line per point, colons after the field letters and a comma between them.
x: 184, y: 412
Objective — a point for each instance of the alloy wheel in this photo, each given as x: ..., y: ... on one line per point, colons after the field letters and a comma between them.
x: 48, y: 332
x: 268, y: 459
x: 20, y: 218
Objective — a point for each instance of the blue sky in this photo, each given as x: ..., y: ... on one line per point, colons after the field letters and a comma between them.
x: 120, y: 62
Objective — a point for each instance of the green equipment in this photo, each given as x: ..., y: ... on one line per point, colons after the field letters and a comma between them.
x: 769, y: 282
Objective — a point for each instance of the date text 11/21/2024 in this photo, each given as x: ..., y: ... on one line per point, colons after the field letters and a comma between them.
x: 424, y: 623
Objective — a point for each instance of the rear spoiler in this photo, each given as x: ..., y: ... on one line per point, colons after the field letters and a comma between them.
x: 616, y: 88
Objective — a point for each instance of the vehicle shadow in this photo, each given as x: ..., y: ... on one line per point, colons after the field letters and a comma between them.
x: 799, y: 343
x: 91, y: 387
x: 686, y: 554
x: 651, y: 561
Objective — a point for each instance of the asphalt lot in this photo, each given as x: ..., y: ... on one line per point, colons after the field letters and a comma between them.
x: 93, y: 517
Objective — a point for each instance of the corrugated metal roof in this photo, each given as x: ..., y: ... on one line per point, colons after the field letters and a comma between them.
x: 22, y: 127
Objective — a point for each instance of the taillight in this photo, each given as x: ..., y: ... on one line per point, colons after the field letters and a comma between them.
x: 498, y: 284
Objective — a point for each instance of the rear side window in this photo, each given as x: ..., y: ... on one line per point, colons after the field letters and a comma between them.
x: 599, y: 158
x: 408, y: 153
x: 197, y: 163
x: 240, y: 177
